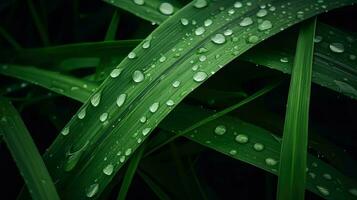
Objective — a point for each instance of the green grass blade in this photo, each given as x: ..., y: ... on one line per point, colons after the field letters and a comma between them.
x: 291, y: 183
x: 261, y: 149
x: 154, y: 187
x: 86, y: 141
x: 25, y: 153
x: 113, y: 27
x: 148, y: 10
x: 130, y: 172
x: 38, y: 23
x: 9, y: 39
x: 68, y: 86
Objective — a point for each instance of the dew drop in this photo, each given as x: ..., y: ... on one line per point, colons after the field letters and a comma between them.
x: 162, y: 59
x: 103, y: 117
x: 258, y: 147
x: 208, y: 22
x: 262, y: 13
x: 139, y: 2
x: 146, y: 131
x: 184, y: 21
x: 120, y: 100
x: 166, y: 8
x: 324, y: 191
x: 253, y: 39
x: 122, y: 159
x: 218, y: 39
x: 228, y: 32
x: 82, y: 114
x: 115, y: 73
x: 138, y: 76
x: 233, y: 152
x: 199, y: 31
x: 200, y: 3
x: 128, y: 151
x: 202, y: 58
x: 352, y: 57
x: 270, y: 161
x: 337, y: 47
x: 176, y: 84
x: 108, y: 170
x: 241, y: 138
x: 132, y: 55
x: 284, y: 60
x: 312, y: 175
x: 92, y: 190
x: 327, y: 176
x: 95, y: 100
x: 153, y: 108
x: 170, y: 102
x: 318, y: 38
x: 143, y: 119
x: 246, y: 22
x: 220, y: 130
x: 238, y: 4
x: 147, y: 44
x: 199, y: 76
x: 265, y: 25
x: 65, y: 131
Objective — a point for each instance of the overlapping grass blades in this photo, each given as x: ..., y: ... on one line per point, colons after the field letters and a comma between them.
x: 25, y: 153
x: 79, y: 157
x: 292, y: 173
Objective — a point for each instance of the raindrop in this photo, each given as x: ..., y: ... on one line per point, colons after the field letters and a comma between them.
x: 208, y: 22
x: 139, y: 2
x: 138, y: 76
x: 258, y: 147
x: 202, y: 58
x: 153, y: 108
x: 82, y: 114
x: 337, y: 47
x: 170, y: 102
x: 352, y: 57
x: 95, y: 99
x: 199, y: 31
x: 200, y: 3
x: 184, y: 21
x: 238, y: 4
x: 312, y: 175
x: 284, y: 60
x: 122, y: 159
x: 128, y: 152
x: 318, y: 38
x: 265, y: 25
x: 233, y: 152
x: 166, y: 8
x: 162, y: 59
x: 253, y: 39
x: 143, y: 119
x: 327, y: 176
x: 262, y: 13
x: 270, y: 161
x: 146, y: 131
x: 65, y: 131
x: 246, y: 22
x: 147, y: 43
x: 241, y: 138
x: 132, y: 55
x: 324, y: 191
x: 218, y: 39
x: 115, y: 73
x: 92, y: 190
x: 199, y: 76
x: 103, y: 117
x: 176, y: 84
x: 121, y: 100
x: 228, y: 32
x: 108, y: 170
x: 220, y: 130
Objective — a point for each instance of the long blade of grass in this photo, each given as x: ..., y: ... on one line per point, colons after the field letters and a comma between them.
x: 130, y: 172
x: 38, y: 23
x: 9, y: 39
x: 292, y: 174
x: 77, y: 159
x: 25, y: 153
x: 154, y: 187
x: 256, y: 146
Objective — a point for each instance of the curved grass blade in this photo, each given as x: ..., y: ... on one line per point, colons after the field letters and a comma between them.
x: 148, y: 9
x: 292, y: 174
x: 9, y: 39
x: 25, y: 153
x: 154, y: 187
x: 78, y: 157
x: 38, y: 23
x: 256, y: 146
x: 68, y: 86
x: 130, y: 172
